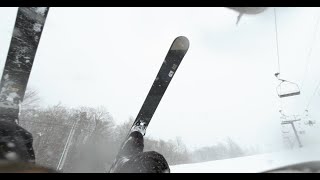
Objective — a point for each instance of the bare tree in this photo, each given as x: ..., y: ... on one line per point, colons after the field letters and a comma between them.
x: 49, y: 127
x: 31, y: 99
x: 228, y: 149
x: 93, y: 141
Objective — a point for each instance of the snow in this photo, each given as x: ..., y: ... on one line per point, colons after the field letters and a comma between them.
x: 11, y: 145
x: 8, y: 104
x: 49, y: 153
x: 252, y: 164
x: 12, y: 96
x: 11, y: 156
x: 181, y: 43
x: 37, y: 27
x: 41, y: 10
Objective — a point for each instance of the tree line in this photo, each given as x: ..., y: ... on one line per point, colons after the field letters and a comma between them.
x: 97, y: 138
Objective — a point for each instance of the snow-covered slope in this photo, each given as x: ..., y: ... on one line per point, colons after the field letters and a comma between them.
x: 252, y: 164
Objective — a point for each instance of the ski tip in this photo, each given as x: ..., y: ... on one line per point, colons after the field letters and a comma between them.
x: 180, y: 43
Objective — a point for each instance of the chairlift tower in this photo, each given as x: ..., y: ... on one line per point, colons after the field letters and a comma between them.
x: 291, y: 122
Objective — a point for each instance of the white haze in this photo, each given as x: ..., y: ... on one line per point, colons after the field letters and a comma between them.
x: 225, y: 86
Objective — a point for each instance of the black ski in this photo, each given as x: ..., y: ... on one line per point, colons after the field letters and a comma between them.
x: 24, y: 43
x: 169, y: 66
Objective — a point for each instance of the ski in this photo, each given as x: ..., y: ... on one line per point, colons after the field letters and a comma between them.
x: 169, y: 67
x: 24, y: 43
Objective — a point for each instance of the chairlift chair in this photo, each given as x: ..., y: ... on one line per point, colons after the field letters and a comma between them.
x: 287, y: 88
x: 310, y: 123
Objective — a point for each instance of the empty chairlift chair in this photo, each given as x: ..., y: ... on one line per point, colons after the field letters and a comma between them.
x: 287, y: 88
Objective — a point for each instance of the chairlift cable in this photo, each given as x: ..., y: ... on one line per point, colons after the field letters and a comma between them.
x: 312, y: 95
x: 310, y: 50
x: 277, y: 42
x: 308, y: 61
x: 279, y: 91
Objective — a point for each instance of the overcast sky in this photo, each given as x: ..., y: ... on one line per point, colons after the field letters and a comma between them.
x: 224, y: 87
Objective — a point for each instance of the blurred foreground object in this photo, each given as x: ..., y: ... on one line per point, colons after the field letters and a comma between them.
x: 21, y: 167
x: 247, y: 10
x: 15, y: 143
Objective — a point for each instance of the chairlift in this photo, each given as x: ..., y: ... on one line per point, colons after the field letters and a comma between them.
x: 310, y: 123
x: 287, y: 88
x: 283, y: 116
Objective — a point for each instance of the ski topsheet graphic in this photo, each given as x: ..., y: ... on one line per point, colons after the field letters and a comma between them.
x: 24, y: 43
x: 169, y: 67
